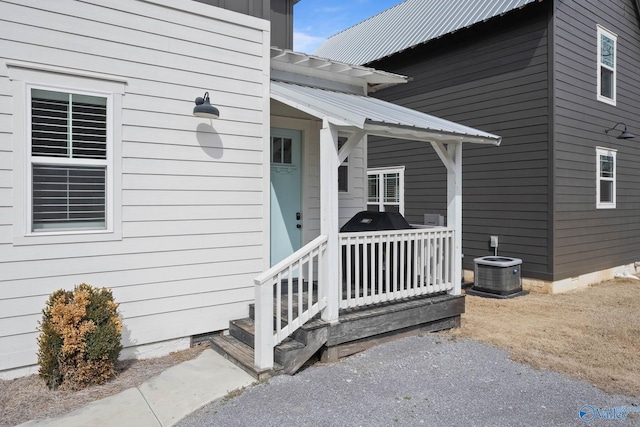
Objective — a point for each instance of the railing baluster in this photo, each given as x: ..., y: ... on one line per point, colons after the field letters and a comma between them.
x: 290, y: 297
x: 278, y: 304
x: 301, y: 289
x: 439, y: 261
x: 447, y: 263
x: 368, y: 292
x: 349, y: 272
x: 357, y: 281
x: 404, y: 289
x: 416, y: 262
x: 310, y: 286
x: 427, y: 261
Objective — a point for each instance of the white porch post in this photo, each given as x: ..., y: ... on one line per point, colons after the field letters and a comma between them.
x: 329, y: 218
x: 263, y: 356
x: 454, y: 212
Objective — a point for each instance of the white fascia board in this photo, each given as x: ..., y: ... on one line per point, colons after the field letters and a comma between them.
x: 301, y: 63
x: 288, y: 77
x: 416, y: 134
x: 335, y: 115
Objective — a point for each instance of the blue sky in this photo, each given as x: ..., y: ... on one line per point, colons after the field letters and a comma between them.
x: 315, y: 20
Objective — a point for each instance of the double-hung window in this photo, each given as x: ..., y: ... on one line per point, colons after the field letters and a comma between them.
x: 69, y: 153
x: 385, y: 189
x: 607, y: 59
x: 606, y: 178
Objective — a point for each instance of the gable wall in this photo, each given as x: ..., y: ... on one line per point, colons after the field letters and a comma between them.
x: 279, y: 12
x: 493, y: 77
x: 188, y: 237
x: 587, y: 238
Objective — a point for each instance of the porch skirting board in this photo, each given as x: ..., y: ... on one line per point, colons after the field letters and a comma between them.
x: 582, y: 281
x: 360, y: 329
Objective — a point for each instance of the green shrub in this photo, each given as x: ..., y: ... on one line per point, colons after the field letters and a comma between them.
x: 79, y: 342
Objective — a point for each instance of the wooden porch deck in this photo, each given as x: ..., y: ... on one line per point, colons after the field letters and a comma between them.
x: 357, y: 329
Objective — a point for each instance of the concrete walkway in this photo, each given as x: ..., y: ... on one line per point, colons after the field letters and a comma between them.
x: 163, y: 400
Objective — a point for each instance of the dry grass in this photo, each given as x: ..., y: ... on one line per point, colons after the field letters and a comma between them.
x: 592, y: 334
x: 28, y: 398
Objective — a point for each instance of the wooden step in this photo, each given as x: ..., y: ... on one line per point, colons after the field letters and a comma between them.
x: 243, y: 356
x: 292, y: 354
x: 244, y: 330
x: 284, y: 303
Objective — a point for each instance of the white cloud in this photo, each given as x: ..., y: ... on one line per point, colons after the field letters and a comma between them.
x: 307, y: 43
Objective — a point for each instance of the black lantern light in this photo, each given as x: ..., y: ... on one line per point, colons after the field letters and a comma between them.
x: 624, y: 134
x: 204, y: 108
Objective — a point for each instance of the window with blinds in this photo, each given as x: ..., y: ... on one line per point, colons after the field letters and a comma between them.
x: 68, y: 161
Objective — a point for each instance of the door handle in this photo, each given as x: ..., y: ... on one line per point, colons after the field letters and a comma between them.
x: 298, y: 226
x: 298, y: 216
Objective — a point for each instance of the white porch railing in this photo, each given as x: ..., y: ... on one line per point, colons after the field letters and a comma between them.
x: 374, y: 267
x: 382, y: 266
x: 300, y: 274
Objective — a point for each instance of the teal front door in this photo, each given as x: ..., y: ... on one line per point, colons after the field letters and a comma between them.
x: 286, y: 206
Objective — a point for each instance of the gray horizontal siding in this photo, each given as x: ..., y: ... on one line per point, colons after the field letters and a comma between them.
x: 589, y: 239
x: 494, y: 78
x: 279, y: 12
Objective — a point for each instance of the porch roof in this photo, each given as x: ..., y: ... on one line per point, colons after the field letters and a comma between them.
x: 374, y: 116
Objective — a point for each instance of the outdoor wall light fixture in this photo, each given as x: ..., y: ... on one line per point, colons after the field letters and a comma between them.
x: 624, y: 134
x: 204, y: 108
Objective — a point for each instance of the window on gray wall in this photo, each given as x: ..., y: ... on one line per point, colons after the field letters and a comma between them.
x: 385, y: 189
x: 607, y: 59
x: 606, y: 178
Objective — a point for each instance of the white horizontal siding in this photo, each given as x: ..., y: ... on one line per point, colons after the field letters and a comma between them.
x: 176, y: 167
x: 172, y: 182
x: 17, y: 350
x: 233, y: 270
x: 191, y: 189
x: 5, y: 138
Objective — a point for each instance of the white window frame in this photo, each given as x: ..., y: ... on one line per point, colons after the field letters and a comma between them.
x: 107, y: 163
x: 601, y: 31
x: 380, y: 173
x: 26, y: 76
x: 600, y: 152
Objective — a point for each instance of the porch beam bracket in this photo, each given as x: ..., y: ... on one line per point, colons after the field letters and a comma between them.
x: 351, y: 143
x: 447, y: 159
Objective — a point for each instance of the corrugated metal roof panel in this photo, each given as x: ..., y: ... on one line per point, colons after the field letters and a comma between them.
x: 358, y: 111
x: 408, y: 24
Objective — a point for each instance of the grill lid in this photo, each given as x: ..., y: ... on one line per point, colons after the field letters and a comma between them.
x: 374, y: 221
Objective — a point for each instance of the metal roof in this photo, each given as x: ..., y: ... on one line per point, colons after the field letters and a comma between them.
x: 287, y: 60
x: 375, y: 116
x: 408, y: 24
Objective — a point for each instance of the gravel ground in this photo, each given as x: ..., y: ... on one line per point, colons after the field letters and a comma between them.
x: 431, y: 380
